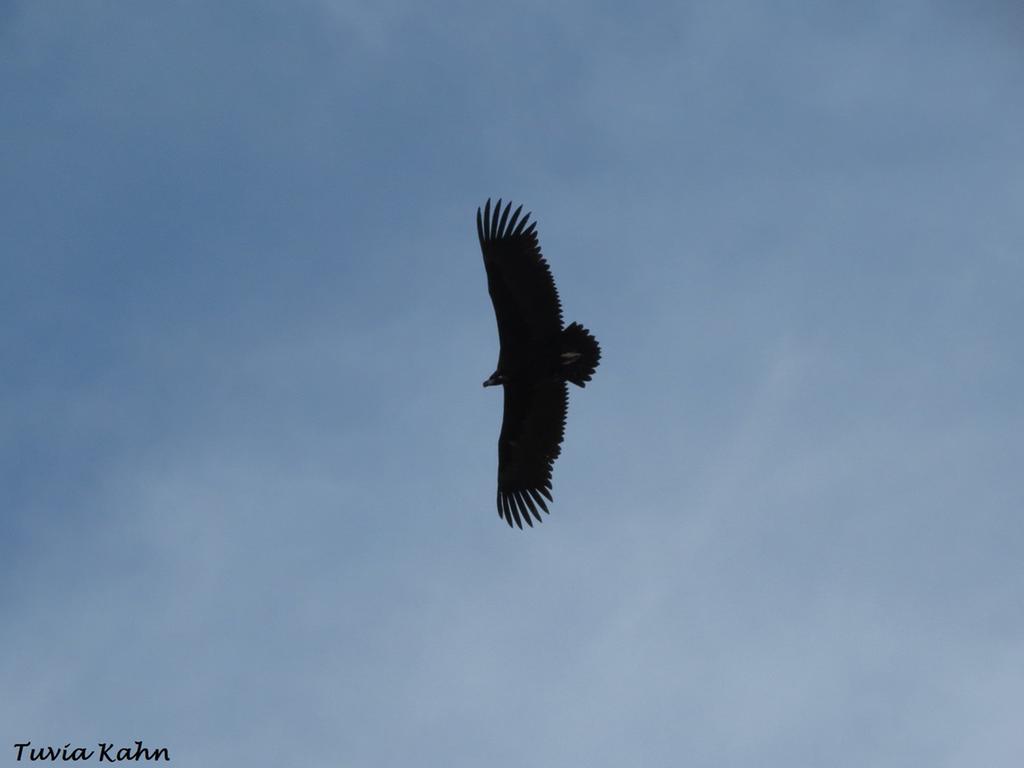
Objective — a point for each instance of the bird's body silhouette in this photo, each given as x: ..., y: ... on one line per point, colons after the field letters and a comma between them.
x: 536, y: 359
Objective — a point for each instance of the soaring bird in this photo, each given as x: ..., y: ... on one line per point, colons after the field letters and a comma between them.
x: 536, y: 358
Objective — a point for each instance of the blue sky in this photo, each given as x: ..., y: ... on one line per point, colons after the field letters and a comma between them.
x: 247, y: 468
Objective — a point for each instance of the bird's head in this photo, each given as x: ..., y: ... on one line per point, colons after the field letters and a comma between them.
x: 495, y: 379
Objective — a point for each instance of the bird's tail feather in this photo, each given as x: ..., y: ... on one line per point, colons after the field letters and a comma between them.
x: 580, y: 354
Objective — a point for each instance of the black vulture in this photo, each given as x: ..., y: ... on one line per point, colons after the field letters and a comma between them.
x: 537, y: 357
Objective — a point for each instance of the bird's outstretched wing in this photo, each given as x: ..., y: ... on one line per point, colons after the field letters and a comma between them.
x: 531, y: 439
x: 518, y: 278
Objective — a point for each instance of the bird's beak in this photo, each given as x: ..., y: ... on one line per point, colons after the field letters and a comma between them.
x: 492, y: 381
